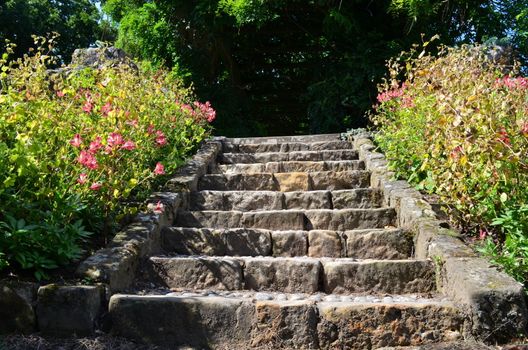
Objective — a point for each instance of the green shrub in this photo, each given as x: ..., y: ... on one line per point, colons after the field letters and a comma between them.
x: 455, y: 124
x: 77, y: 147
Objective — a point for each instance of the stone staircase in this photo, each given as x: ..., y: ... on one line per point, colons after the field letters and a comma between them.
x: 284, y: 244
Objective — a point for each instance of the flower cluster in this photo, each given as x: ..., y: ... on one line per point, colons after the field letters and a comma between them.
x: 512, y: 83
x: 199, y: 111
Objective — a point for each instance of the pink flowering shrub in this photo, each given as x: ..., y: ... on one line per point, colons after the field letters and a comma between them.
x: 456, y: 125
x: 77, y: 148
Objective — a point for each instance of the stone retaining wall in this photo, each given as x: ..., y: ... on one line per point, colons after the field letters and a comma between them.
x: 494, y: 302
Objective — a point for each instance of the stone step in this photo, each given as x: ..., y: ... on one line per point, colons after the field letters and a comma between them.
x: 219, y: 322
x: 316, y: 219
x: 273, y: 200
x: 230, y: 147
x: 293, y: 275
x: 361, y: 244
x: 286, y: 182
x: 283, y: 139
x: 293, y: 166
x: 313, y: 156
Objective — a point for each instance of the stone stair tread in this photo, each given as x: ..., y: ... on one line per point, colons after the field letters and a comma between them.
x: 286, y: 182
x: 357, y: 298
x: 265, y: 157
x: 219, y: 322
x: 291, y: 166
x: 286, y: 146
x: 289, y: 219
x: 282, y: 139
x: 387, y: 243
x: 251, y: 200
x: 293, y: 274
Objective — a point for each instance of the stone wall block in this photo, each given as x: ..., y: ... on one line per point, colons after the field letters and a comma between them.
x: 17, y: 301
x: 494, y: 300
x: 69, y: 310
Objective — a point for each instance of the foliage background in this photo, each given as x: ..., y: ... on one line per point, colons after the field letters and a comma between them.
x: 298, y: 66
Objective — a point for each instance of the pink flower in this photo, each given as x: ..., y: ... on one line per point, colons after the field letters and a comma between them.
x: 504, y: 137
x: 107, y: 108
x: 96, y: 186
x: 187, y: 108
x: 88, y: 106
x: 88, y: 160
x: 133, y: 122
x: 161, y: 140
x: 76, y: 141
x: 159, y: 208
x: 82, y: 178
x: 159, y: 169
x: 150, y: 129
x: 114, y: 139
x: 128, y: 145
x: 206, y: 110
x: 95, y: 145
x: 60, y: 93
x: 482, y: 234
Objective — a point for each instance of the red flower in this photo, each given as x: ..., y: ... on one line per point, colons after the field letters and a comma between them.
x: 159, y: 169
x: 107, y: 108
x: 76, y: 141
x: 96, y: 186
x: 128, y: 145
x: 161, y: 140
x: 114, y: 139
x: 504, y: 137
x: 88, y: 160
x: 82, y: 178
x: 95, y: 145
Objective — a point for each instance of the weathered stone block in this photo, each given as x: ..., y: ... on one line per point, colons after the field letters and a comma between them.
x: 322, y: 243
x: 344, y: 165
x: 287, y: 324
x: 289, y: 243
x: 210, y: 218
x: 68, y: 310
x: 273, y: 220
x: 396, y: 276
x: 114, y: 266
x: 247, y: 242
x: 347, y: 154
x: 287, y: 275
x: 305, y: 156
x: 494, y: 300
x: 292, y: 181
x: 379, y: 244
x: 16, y: 306
x: 198, y: 272
x: 251, y: 182
x: 356, y: 198
x: 307, y: 200
x: 201, y: 322
x: 193, y: 241
x: 295, y: 166
x: 328, y: 180
x: 349, y: 219
x: 372, y: 326
x: 207, y: 200
x: 253, y: 200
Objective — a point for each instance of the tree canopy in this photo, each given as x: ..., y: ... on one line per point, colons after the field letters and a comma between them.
x: 77, y: 22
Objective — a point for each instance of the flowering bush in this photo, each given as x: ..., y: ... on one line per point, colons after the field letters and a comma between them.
x: 76, y: 147
x: 456, y: 124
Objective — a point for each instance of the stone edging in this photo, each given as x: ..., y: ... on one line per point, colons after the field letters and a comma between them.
x: 494, y: 302
x: 77, y: 309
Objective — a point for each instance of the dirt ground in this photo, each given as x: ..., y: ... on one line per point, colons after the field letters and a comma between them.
x: 105, y: 342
